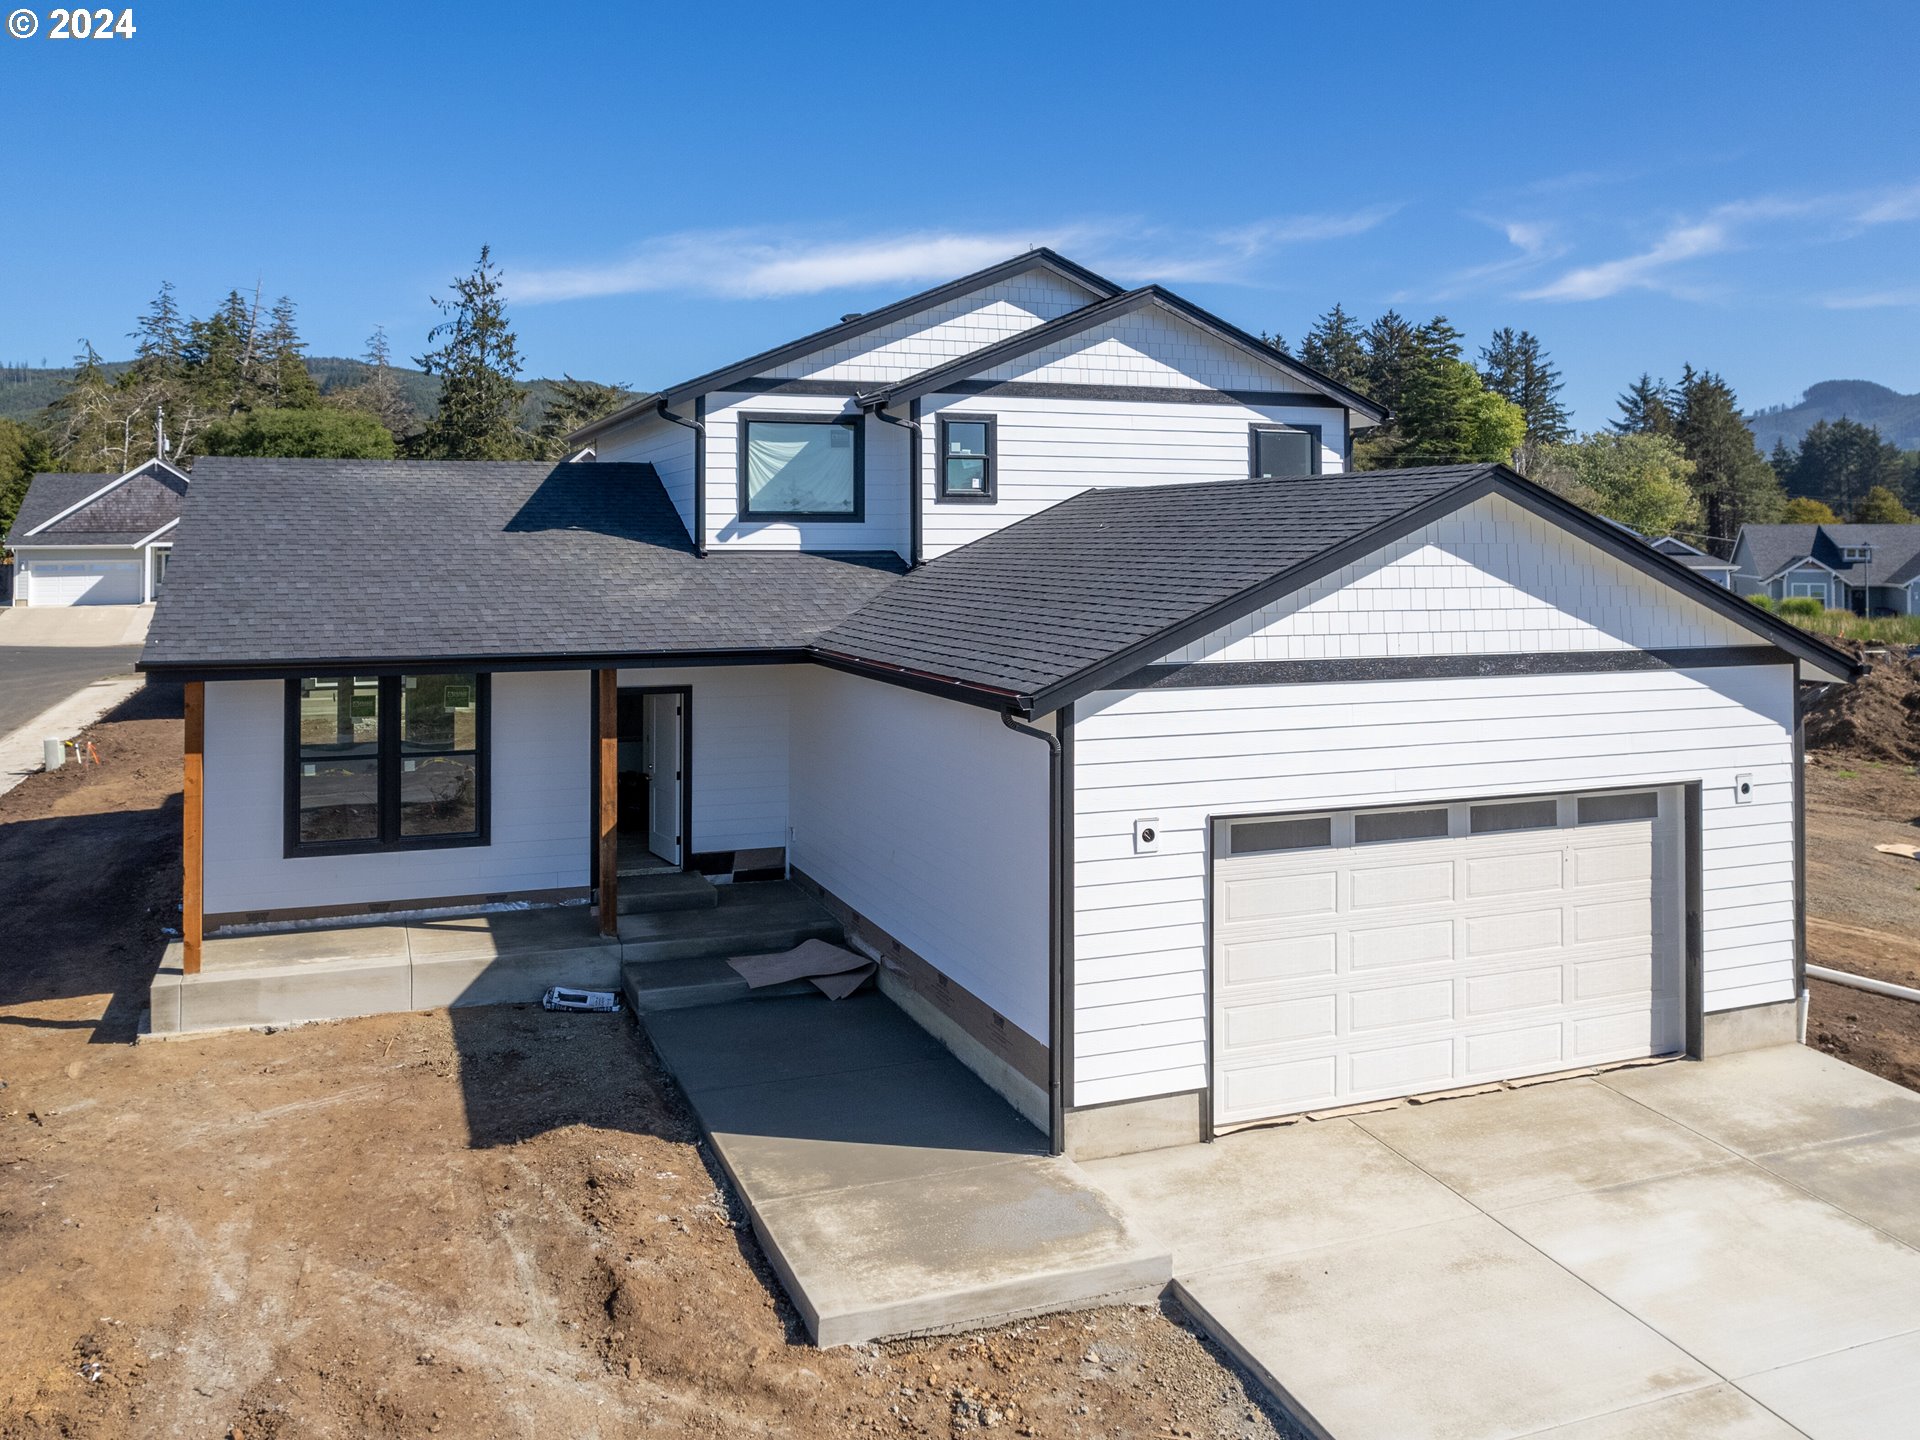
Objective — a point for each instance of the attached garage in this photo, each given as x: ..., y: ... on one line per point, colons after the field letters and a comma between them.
x: 1360, y: 955
x: 83, y: 582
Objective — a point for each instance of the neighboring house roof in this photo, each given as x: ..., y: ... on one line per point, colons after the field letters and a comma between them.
x: 1700, y: 562
x: 1673, y: 545
x: 340, y: 562
x: 1074, y: 322
x: 853, y: 326
x: 1084, y: 593
x: 79, y: 510
x: 1774, y: 549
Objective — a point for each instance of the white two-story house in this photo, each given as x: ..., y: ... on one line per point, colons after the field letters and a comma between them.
x: 1037, y: 628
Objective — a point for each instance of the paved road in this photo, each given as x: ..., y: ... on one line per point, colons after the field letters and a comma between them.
x: 34, y: 677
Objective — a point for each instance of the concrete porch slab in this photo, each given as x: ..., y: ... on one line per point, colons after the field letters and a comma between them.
x: 1870, y: 1392
x: 510, y: 957
x: 1401, y: 1334
x: 1719, y: 1412
x: 893, y: 1192
x: 1875, y: 1178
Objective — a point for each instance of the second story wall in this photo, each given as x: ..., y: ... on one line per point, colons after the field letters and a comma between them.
x: 664, y: 445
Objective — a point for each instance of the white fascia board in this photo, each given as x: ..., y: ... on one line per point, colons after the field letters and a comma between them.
x: 149, y: 539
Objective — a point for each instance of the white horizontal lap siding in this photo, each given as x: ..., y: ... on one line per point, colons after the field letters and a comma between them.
x: 665, y: 446
x: 929, y: 818
x: 539, y: 824
x: 944, y: 332
x: 739, y: 772
x: 887, y: 521
x: 1146, y: 347
x: 1490, y: 579
x: 1049, y: 450
x: 1182, y: 756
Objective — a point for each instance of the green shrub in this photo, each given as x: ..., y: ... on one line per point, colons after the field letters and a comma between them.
x: 1800, y: 607
x: 1762, y: 599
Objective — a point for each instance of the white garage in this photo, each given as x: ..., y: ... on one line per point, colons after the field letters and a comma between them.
x: 1360, y: 955
x: 83, y: 582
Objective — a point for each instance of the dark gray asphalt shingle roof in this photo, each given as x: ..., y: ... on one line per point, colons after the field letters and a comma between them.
x: 125, y: 514
x: 284, y: 561
x: 48, y: 495
x: 1896, y: 549
x: 1037, y: 603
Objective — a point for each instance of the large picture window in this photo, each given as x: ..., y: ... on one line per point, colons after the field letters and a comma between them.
x: 801, y: 467
x: 1284, y: 450
x: 386, y: 762
x: 968, y: 463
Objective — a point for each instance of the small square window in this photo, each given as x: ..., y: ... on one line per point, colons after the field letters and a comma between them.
x: 968, y: 462
x: 1384, y: 825
x: 1285, y: 450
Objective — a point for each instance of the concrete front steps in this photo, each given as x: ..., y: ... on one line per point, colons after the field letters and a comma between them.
x: 677, y: 928
x: 677, y: 959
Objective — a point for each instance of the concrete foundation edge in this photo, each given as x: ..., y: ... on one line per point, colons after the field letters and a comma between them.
x: 1013, y: 1087
x: 1130, y: 1126
x: 1753, y: 1027
x: 1223, y: 1336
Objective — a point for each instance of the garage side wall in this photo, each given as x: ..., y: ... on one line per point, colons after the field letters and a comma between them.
x: 539, y: 806
x: 928, y: 818
x: 1183, y: 755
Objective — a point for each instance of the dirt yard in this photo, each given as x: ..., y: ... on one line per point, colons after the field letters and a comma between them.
x: 488, y: 1222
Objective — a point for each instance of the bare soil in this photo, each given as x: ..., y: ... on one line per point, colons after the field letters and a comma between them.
x: 1875, y: 718
x: 482, y: 1222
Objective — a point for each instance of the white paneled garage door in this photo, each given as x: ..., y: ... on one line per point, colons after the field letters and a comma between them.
x: 1360, y: 955
x: 83, y: 582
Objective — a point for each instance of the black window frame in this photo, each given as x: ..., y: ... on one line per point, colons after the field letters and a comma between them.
x: 1278, y: 427
x: 389, y: 752
x: 746, y: 419
x: 941, y: 494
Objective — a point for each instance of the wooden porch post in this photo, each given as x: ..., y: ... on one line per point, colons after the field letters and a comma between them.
x: 607, y: 725
x: 192, y: 821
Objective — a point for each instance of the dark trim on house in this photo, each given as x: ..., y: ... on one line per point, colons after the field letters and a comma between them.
x: 1274, y: 427
x: 388, y: 757
x: 1143, y: 394
x: 938, y: 377
x: 855, y: 424
x: 1692, y: 901
x: 942, y: 421
x: 774, y: 385
x: 1058, y: 892
x: 1208, y: 674
x: 497, y: 664
x: 723, y: 378
x: 994, y: 1032
x: 941, y: 685
x: 1496, y: 480
x: 685, y: 692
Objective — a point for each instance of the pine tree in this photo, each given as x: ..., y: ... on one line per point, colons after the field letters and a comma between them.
x: 379, y: 395
x: 160, y: 337
x: 1391, y: 356
x: 1841, y: 460
x: 286, y: 382
x: 575, y: 403
x: 1647, y: 408
x: 1335, y: 348
x: 1783, y: 459
x: 477, y: 360
x: 1514, y: 365
x: 1736, y: 487
x: 1437, y: 338
x: 1276, y: 340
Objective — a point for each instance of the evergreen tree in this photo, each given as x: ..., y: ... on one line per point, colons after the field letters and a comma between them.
x: 1335, y: 348
x: 379, y: 395
x: 285, y: 382
x: 1880, y: 506
x: 85, y: 425
x: 477, y: 360
x: 1392, y: 355
x: 1736, y: 487
x: 22, y: 455
x: 1276, y: 340
x: 1783, y: 459
x: 1448, y: 417
x: 1841, y: 460
x: 1514, y: 365
x: 160, y: 337
x: 1647, y: 408
x: 575, y: 403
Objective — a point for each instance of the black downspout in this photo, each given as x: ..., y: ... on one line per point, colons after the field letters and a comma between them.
x: 912, y: 427
x: 1056, y: 934
x: 699, y: 427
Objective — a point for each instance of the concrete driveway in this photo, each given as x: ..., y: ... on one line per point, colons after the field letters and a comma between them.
x: 1721, y: 1249
x: 48, y: 655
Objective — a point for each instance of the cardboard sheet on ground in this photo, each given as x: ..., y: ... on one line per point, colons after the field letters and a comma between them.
x: 834, y: 971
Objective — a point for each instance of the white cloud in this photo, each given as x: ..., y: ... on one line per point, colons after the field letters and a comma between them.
x: 1874, y: 300
x: 1643, y: 271
x: 746, y: 264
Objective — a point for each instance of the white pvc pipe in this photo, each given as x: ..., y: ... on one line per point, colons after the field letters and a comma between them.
x: 1861, y: 982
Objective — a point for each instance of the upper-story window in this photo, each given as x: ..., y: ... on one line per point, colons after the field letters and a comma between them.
x: 1285, y: 450
x: 968, y: 465
x: 801, y: 467
x: 1856, y: 552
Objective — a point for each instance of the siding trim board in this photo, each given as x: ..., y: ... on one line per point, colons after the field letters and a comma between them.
x: 1200, y: 674
x: 1049, y: 390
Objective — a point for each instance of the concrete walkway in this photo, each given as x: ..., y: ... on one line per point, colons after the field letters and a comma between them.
x: 61, y: 669
x: 892, y: 1190
x: 1726, y: 1250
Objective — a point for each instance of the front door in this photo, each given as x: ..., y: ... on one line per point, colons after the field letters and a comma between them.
x: 666, y: 779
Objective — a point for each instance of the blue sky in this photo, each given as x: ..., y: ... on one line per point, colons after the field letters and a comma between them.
x: 672, y: 187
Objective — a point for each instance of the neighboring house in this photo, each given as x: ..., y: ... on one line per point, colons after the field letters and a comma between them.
x: 1868, y: 569
x: 1707, y: 567
x: 1035, y: 625
x: 96, y: 539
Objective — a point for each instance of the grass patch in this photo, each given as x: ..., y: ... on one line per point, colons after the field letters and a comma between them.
x: 1848, y: 774
x: 1843, y: 624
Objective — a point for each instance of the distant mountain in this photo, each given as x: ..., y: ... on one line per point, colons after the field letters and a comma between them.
x: 27, y: 390
x: 1895, y: 416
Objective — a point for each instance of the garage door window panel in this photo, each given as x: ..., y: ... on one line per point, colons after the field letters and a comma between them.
x: 1379, y: 827
x: 1508, y: 815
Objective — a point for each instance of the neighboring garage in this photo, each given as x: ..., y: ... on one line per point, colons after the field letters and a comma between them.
x: 1364, y: 954
x: 96, y: 539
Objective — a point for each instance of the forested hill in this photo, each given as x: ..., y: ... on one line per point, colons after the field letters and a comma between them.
x: 26, y: 390
x: 1895, y: 416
